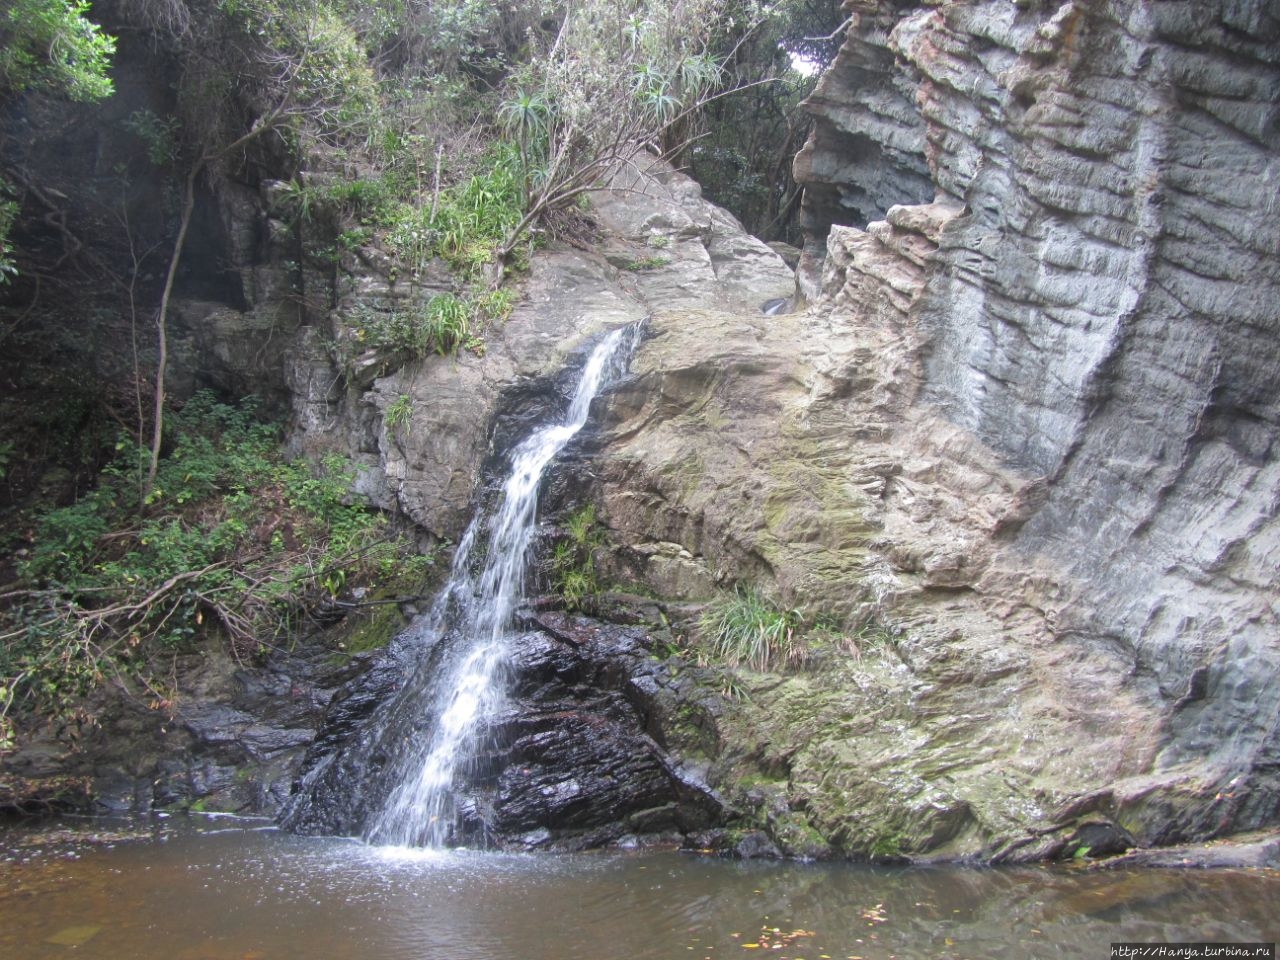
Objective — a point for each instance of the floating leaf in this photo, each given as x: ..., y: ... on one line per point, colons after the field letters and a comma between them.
x: 74, y: 936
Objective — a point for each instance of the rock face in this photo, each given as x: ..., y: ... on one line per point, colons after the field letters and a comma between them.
x: 577, y: 759
x: 1028, y: 428
x: 231, y: 738
x: 661, y: 243
x: 1018, y: 458
x: 868, y: 149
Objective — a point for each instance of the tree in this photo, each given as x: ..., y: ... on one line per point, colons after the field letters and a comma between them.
x: 307, y: 76
x: 48, y: 46
x: 744, y: 160
x: 51, y: 46
x: 613, y: 80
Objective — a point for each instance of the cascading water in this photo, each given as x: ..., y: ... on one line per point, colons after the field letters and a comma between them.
x: 477, y: 607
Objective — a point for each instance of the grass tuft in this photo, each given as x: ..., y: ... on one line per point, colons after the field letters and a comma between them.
x: 747, y: 629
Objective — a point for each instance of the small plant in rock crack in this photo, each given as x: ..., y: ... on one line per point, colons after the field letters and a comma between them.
x: 747, y: 629
x: 646, y: 263
x: 573, y: 567
x: 399, y: 413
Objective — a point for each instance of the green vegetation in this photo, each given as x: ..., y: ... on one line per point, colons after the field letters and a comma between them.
x: 612, y: 80
x: 887, y: 847
x: 459, y: 131
x: 573, y: 566
x: 442, y: 326
x: 160, y: 134
x: 743, y: 158
x: 52, y: 47
x: 647, y: 263
x: 746, y: 629
x: 231, y: 542
x: 463, y: 224
x: 399, y: 413
x: 477, y: 216
x: 8, y: 213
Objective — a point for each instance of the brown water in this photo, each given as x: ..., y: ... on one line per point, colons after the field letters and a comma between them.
x: 229, y: 890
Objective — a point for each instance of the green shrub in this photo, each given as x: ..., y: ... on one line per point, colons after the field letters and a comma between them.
x: 447, y: 322
x: 646, y: 263
x: 50, y: 45
x: 443, y: 325
x: 399, y: 413
x: 496, y: 305
x: 234, y: 541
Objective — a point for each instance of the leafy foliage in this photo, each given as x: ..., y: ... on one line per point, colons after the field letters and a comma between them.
x: 160, y: 134
x: 573, y: 569
x: 233, y: 541
x: 468, y: 224
x: 48, y: 46
x: 301, y: 65
x: 8, y: 213
x: 52, y: 46
x: 399, y: 413
x: 614, y: 79
x: 443, y: 325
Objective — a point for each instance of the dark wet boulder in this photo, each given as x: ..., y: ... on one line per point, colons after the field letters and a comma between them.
x: 579, y: 757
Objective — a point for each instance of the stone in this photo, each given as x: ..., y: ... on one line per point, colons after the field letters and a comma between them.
x: 428, y: 467
x: 756, y: 845
x: 1250, y: 852
x: 574, y: 761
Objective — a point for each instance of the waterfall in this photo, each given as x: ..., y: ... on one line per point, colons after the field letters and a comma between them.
x: 476, y: 609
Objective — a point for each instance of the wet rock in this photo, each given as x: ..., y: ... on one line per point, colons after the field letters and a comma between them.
x: 262, y: 741
x: 45, y: 793
x: 1100, y: 839
x: 1256, y: 852
x: 756, y: 845
x: 233, y: 739
x: 574, y: 761
x: 216, y: 724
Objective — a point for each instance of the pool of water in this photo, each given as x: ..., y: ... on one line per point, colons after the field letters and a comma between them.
x: 222, y: 889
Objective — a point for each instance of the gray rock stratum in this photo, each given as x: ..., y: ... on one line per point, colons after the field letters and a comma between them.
x: 1029, y: 423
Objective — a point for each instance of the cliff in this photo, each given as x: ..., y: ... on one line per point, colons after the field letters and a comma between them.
x: 1028, y: 421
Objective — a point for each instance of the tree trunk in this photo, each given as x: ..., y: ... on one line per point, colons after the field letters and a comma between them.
x: 162, y: 319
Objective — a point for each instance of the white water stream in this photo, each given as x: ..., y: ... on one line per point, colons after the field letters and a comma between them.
x: 478, y: 609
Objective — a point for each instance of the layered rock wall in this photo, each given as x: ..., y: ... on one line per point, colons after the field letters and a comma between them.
x: 1100, y: 315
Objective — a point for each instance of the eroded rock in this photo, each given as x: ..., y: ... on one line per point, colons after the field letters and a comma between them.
x: 1028, y: 425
